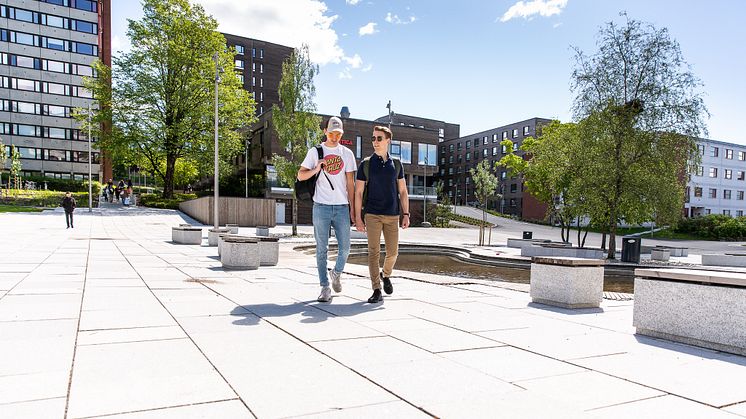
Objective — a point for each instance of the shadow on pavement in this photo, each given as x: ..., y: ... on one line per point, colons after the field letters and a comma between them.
x: 311, y: 312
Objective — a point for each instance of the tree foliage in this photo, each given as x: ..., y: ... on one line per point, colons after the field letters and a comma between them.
x: 294, y: 120
x: 485, y: 187
x: 640, y: 111
x: 160, y: 96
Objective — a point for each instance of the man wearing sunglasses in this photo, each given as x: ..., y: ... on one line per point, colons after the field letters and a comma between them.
x: 332, y: 203
x: 380, y: 189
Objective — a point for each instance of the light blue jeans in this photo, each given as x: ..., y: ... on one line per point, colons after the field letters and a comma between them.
x: 325, y: 216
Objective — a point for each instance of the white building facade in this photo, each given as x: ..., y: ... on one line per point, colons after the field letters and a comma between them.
x: 718, y: 184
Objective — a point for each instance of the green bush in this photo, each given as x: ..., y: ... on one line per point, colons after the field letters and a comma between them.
x: 46, y: 199
x: 156, y: 201
x: 713, y: 227
x: 63, y: 185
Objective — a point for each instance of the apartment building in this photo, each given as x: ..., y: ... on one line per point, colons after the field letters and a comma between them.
x: 46, y: 48
x: 718, y: 184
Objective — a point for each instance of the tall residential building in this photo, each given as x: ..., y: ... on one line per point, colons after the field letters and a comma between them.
x: 718, y: 183
x: 259, y: 65
x: 46, y: 48
x: 456, y: 157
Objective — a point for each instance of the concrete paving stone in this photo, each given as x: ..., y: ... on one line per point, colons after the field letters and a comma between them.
x: 444, y: 339
x: 589, y: 390
x: 660, y: 407
x: 114, y: 282
x: 513, y: 405
x: 125, y: 318
x: 196, y: 302
x: 396, y: 409
x: 708, y: 377
x: 229, y: 409
x: 359, y: 354
x: 519, y: 300
x: 39, y: 307
x: 511, y: 364
x: 309, y: 378
x: 315, y: 325
x: 125, y: 377
x: 568, y: 347
x: 8, y: 283
x: 738, y: 409
x: 34, y: 386
x: 109, y: 298
x: 28, y: 287
x: 403, y: 324
x: 49, y: 408
x: 58, y: 270
x: 139, y: 334
x: 17, y: 267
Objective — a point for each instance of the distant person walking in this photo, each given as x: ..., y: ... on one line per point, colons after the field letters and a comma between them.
x: 119, y: 191
x: 332, y: 202
x: 68, y: 203
x: 381, y: 191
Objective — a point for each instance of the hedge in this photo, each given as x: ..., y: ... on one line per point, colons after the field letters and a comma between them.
x: 156, y: 201
x: 714, y: 227
x: 46, y: 199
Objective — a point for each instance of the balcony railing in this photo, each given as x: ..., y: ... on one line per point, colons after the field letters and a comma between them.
x: 420, y: 190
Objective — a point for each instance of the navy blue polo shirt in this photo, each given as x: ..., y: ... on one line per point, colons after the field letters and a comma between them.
x: 383, y: 191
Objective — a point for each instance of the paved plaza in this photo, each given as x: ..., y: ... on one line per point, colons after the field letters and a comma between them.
x: 111, y: 319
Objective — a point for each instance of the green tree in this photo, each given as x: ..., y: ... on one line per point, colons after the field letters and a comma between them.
x: 639, y: 109
x: 294, y: 120
x: 3, y: 157
x: 439, y: 214
x: 485, y: 187
x: 160, y: 98
x: 15, y: 167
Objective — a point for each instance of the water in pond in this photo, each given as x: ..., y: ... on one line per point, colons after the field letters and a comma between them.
x: 446, y: 265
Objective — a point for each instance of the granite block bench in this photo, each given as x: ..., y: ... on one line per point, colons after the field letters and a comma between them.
x: 520, y: 243
x: 561, y: 250
x: 186, y: 234
x: 567, y: 282
x: 233, y: 228
x: 213, y: 234
x: 692, y: 306
x: 241, y: 253
x: 269, y: 250
x: 660, y: 254
x: 727, y: 259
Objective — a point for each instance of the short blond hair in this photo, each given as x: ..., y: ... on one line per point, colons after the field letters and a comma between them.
x: 384, y: 130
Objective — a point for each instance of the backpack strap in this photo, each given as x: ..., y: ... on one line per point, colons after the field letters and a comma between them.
x: 320, y: 152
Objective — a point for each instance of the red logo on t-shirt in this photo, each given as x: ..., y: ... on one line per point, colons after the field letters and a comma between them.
x: 333, y: 164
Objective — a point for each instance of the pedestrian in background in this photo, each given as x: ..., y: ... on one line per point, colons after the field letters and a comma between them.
x: 68, y: 203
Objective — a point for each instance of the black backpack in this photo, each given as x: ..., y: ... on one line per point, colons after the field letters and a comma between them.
x: 304, y: 189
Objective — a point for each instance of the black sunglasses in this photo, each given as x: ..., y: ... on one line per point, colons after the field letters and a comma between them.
x: 378, y: 138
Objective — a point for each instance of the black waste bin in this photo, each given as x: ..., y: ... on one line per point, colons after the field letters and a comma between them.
x: 528, y: 235
x: 631, y: 249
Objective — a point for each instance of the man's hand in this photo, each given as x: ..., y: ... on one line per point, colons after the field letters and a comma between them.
x: 352, y: 216
x: 319, y: 167
x: 405, y: 222
x: 360, y: 225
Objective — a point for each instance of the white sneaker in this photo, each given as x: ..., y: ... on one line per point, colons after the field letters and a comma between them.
x: 325, y: 296
x: 336, y: 280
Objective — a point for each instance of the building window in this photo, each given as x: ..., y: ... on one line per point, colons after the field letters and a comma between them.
x: 253, y: 81
x: 468, y: 145
x: 699, y: 171
x: 515, y: 146
x: 441, y: 132
x: 450, y: 170
x: 505, y: 135
x: 239, y: 64
x: 713, y: 193
x: 515, y: 133
x: 485, y: 140
x: 739, y: 213
x: 713, y: 172
x: 742, y: 155
x: 450, y: 148
x: 708, y: 211
x: 698, y: 192
x: 261, y: 52
x: 458, y: 146
x: 503, y: 175
x: 426, y: 154
x: 485, y: 152
x: 726, y: 193
x: 728, y: 174
x: 402, y: 150
x: 494, y: 151
x: 261, y: 68
x: 261, y: 96
x: 713, y: 152
x: 701, y: 149
x: 443, y: 160
x: 358, y: 146
x: 513, y: 188
x: 468, y: 156
x: 729, y: 154
x: 494, y: 138
x: 476, y: 142
x: 739, y: 195
x: 726, y: 212
x: 459, y: 158
x: 512, y: 202
x: 261, y: 82
x: 240, y: 77
x: 239, y: 49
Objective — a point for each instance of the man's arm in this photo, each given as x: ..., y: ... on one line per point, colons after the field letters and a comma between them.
x: 351, y: 194
x: 359, y: 187
x: 305, y: 173
x: 404, y: 201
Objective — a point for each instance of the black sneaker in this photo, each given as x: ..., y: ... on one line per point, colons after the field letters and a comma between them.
x: 376, y: 297
x: 388, y: 287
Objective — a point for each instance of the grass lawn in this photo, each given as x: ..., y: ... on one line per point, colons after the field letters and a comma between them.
x: 670, y: 235
x: 14, y: 208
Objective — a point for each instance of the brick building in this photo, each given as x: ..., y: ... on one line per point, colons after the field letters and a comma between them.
x: 457, y: 156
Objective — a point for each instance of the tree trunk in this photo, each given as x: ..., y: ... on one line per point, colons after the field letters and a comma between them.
x: 611, y: 254
x: 295, y: 216
x: 168, y: 179
x: 603, y: 241
x: 579, y: 229
x: 585, y: 235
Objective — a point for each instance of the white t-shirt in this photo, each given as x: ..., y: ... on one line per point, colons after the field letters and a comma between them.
x: 339, y: 161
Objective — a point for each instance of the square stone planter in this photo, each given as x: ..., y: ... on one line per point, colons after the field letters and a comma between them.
x: 660, y: 254
x: 567, y: 282
x: 212, y: 235
x: 269, y: 251
x: 262, y: 231
x: 240, y: 253
x: 221, y: 236
x: 186, y: 235
x: 233, y: 228
x: 696, y: 307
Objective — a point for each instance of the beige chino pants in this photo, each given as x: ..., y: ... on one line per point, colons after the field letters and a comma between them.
x: 389, y: 225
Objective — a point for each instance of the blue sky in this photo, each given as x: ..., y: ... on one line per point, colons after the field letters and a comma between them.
x: 480, y: 64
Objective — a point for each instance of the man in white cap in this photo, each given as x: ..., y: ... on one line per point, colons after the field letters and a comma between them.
x: 332, y: 202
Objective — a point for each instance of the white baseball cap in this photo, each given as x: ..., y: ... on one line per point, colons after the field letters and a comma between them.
x: 334, y: 124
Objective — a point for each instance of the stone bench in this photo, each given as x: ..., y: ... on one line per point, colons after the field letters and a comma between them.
x: 727, y: 259
x: 660, y: 254
x: 558, y: 250
x: 520, y: 243
x: 697, y: 307
x: 212, y: 235
x: 241, y: 253
x: 186, y: 235
x: 269, y: 250
x: 262, y: 231
x: 567, y: 282
x: 676, y: 252
x: 233, y: 228
x: 221, y: 236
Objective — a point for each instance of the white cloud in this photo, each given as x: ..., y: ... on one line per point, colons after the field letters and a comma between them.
x: 368, y: 29
x: 286, y: 22
x: 367, y: 68
x: 528, y: 9
x: 392, y: 18
x: 352, y: 2
x: 355, y: 61
x: 557, y: 25
x: 345, y: 74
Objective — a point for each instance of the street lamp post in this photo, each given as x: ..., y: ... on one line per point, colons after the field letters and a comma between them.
x: 246, y: 166
x: 90, y: 181
x: 217, y: 194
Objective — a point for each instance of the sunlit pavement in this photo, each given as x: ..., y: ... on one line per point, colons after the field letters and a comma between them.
x: 111, y: 318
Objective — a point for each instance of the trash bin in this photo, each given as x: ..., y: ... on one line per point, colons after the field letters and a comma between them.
x: 528, y: 235
x: 631, y: 249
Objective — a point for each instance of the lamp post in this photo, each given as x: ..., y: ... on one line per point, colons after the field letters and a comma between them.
x: 246, y: 166
x: 424, y: 191
x: 90, y: 181
x: 215, y: 199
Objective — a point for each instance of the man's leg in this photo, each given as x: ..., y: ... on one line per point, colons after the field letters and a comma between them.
x: 322, y: 217
x: 391, y: 240
x: 67, y: 219
x: 341, y: 224
x: 373, y: 226
x: 71, y: 220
